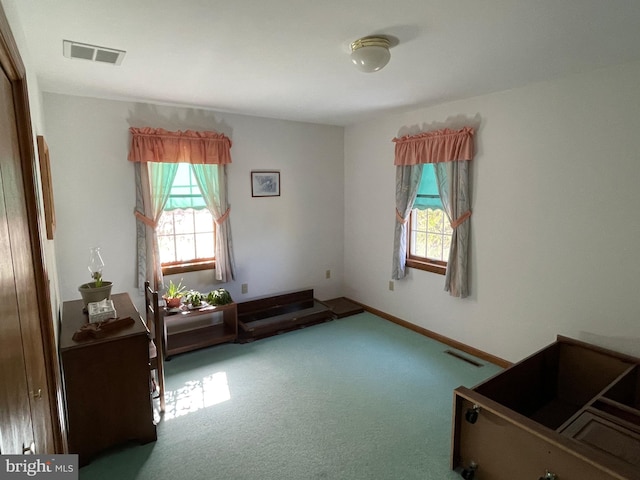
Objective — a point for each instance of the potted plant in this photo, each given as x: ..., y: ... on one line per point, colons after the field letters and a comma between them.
x: 99, y: 289
x: 194, y: 298
x: 173, y: 295
x: 219, y: 297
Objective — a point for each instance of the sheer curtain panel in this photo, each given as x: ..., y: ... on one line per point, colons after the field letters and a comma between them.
x: 212, y: 180
x: 153, y: 185
x: 407, y: 181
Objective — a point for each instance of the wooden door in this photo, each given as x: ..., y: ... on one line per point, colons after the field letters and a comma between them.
x: 16, y: 430
x: 30, y: 420
x: 23, y: 375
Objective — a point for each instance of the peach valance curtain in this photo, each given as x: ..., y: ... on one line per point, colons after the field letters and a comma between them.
x: 161, y: 146
x: 434, y: 147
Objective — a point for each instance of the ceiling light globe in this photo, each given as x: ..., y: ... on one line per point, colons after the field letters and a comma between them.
x: 370, y: 54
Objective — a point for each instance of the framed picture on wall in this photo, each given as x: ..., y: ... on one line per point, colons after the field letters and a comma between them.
x: 265, y: 184
x: 47, y: 189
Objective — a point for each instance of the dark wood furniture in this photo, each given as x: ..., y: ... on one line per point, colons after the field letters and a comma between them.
x: 570, y: 411
x: 153, y: 320
x: 343, y: 307
x: 106, y: 382
x: 190, y: 329
x: 270, y: 315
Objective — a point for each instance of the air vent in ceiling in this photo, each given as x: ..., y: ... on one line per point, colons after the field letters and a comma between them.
x: 92, y: 52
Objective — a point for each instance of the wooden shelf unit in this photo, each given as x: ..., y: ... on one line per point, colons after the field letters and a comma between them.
x: 189, y: 330
x: 571, y: 409
x: 262, y: 317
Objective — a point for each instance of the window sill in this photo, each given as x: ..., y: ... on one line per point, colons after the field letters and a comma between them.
x: 427, y: 266
x: 188, y: 267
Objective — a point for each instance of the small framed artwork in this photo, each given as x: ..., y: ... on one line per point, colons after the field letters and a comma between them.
x: 265, y: 184
x: 47, y: 189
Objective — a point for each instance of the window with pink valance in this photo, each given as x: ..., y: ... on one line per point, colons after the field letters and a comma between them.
x: 156, y: 153
x: 450, y: 152
x: 434, y: 147
x: 161, y: 146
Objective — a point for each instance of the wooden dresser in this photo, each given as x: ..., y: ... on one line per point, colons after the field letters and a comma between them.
x: 568, y: 412
x: 106, y: 381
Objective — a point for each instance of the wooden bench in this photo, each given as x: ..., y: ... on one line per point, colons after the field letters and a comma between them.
x: 267, y: 316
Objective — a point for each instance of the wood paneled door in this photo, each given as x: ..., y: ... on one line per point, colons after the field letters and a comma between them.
x: 30, y: 421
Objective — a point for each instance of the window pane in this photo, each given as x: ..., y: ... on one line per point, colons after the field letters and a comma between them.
x: 413, y: 232
x: 185, y: 248
x: 165, y: 224
x: 185, y: 234
x: 435, y: 220
x: 167, y: 249
x: 421, y: 220
x: 420, y: 244
x: 434, y: 248
x: 183, y: 221
x: 204, y: 221
x: 430, y: 235
x: 183, y: 175
x: 185, y: 192
x: 204, y: 245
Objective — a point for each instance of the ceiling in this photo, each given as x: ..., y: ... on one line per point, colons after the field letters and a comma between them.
x: 289, y: 59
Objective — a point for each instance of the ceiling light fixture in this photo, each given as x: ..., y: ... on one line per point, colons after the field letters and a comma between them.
x: 370, y: 54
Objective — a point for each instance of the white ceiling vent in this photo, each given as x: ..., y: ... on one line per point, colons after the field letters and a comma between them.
x: 92, y: 52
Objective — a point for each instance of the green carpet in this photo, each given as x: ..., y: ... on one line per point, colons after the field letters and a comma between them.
x: 358, y: 398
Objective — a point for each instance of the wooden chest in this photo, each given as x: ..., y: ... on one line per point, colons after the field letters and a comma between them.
x: 106, y: 380
x: 568, y: 412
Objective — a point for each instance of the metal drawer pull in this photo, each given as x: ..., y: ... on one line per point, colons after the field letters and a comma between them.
x: 472, y: 414
x: 549, y: 476
x: 469, y: 472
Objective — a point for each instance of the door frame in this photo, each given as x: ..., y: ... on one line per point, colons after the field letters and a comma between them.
x: 11, y: 63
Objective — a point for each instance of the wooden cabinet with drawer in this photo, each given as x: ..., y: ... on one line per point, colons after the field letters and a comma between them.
x: 570, y: 411
x: 106, y: 382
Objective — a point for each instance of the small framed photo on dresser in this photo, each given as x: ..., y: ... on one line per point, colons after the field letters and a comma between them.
x: 265, y: 183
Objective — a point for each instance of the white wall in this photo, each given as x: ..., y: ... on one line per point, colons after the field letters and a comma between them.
x: 555, y: 228
x: 281, y: 244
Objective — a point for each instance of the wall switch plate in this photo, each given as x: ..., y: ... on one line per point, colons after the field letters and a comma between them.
x: 245, y: 288
x: 391, y: 285
x: 327, y: 274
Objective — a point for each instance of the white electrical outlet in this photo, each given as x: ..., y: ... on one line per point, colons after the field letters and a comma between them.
x: 245, y: 288
x: 391, y: 285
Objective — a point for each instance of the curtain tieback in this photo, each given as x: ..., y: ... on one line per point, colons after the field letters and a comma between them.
x: 223, y: 218
x: 460, y: 220
x: 400, y: 218
x: 146, y: 220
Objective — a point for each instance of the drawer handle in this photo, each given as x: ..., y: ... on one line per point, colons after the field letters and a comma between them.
x: 549, y: 476
x: 469, y: 472
x: 472, y: 414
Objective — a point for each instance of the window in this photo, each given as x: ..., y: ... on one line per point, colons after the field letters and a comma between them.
x: 186, y: 230
x: 429, y: 232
